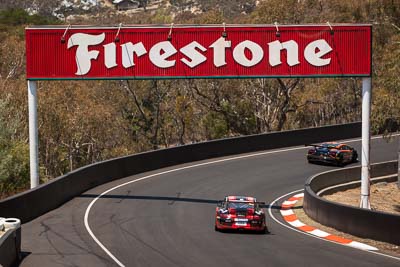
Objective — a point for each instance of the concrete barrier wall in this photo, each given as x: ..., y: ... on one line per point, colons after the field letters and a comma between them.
x: 10, y: 247
x: 33, y: 203
x: 360, y: 222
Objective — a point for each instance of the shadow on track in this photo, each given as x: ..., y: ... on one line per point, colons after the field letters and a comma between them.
x: 175, y: 199
x: 244, y: 232
x: 161, y: 198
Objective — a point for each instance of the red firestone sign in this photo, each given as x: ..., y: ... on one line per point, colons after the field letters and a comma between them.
x: 207, y: 51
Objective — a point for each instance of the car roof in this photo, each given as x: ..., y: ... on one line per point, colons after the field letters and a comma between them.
x: 335, y: 144
x: 240, y: 199
x: 332, y: 143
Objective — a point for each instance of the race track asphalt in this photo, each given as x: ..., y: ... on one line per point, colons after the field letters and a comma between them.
x: 168, y: 219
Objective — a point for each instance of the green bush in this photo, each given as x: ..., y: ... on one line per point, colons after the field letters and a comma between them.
x: 14, y: 156
x: 14, y: 169
x: 15, y: 17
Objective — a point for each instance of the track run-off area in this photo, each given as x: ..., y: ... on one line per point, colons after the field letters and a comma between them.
x: 166, y: 218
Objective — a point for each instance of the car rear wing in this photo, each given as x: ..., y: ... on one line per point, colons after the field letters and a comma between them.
x: 314, y: 145
x: 259, y: 203
x: 319, y: 146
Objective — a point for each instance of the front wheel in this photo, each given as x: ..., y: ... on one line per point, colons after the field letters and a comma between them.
x: 340, y: 161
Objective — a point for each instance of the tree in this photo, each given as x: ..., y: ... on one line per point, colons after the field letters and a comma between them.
x: 43, y: 8
x: 14, y: 154
x: 226, y: 99
x: 328, y: 101
x: 386, y: 107
x: 273, y: 101
x: 143, y: 3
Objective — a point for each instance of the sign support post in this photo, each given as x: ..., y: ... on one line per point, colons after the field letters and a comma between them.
x: 365, y: 143
x: 33, y: 133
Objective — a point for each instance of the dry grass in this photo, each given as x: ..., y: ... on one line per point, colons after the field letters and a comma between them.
x: 384, y: 197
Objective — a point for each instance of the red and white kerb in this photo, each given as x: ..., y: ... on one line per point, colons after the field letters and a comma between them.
x: 290, y: 217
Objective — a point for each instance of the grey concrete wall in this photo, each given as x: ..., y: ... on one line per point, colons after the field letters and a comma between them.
x: 10, y: 247
x: 359, y: 222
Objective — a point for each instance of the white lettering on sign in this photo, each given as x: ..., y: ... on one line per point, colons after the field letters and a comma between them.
x: 313, y: 57
x: 193, y: 54
x: 219, y: 47
x: 83, y: 55
x: 110, y: 55
x: 160, y: 52
x: 196, y: 58
x: 256, y: 51
x: 275, y: 53
x: 128, y: 51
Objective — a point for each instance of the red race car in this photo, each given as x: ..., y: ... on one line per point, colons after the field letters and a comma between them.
x: 237, y: 212
x: 333, y: 153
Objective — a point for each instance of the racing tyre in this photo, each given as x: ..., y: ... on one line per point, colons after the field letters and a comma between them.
x: 216, y: 228
x: 340, y: 162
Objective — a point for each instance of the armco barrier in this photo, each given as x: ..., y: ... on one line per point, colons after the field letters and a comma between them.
x: 33, y: 203
x: 359, y: 222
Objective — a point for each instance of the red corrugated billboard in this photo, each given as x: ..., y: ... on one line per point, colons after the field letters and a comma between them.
x: 202, y: 51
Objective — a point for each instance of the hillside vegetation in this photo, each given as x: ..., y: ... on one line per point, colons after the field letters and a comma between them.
x: 81, y: 122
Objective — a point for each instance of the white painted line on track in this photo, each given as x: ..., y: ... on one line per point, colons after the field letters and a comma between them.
x: 359, y: 246
x: 86, y: 217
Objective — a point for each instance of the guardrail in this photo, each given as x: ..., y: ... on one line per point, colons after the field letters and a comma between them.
x: 35, y: 202
x: 356, y: 221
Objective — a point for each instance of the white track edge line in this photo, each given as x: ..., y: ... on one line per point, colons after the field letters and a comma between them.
x: 86, y: 217
x: 305, y: 233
